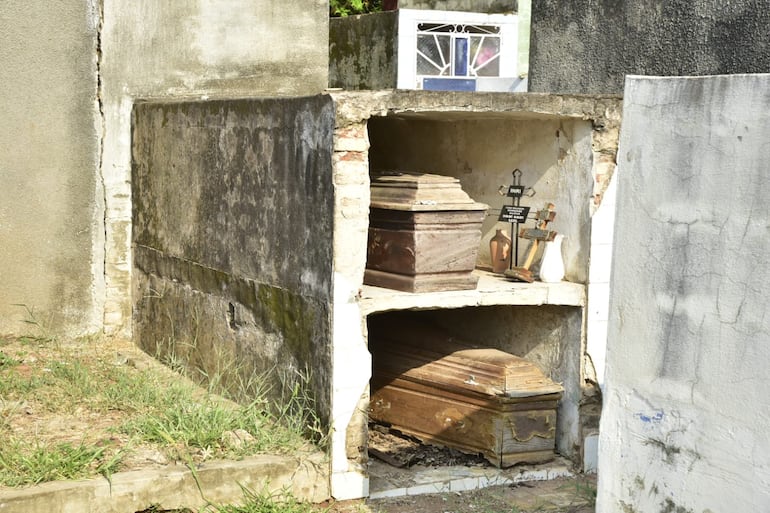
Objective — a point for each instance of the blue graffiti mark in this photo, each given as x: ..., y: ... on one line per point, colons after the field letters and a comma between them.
x: 657, y: 417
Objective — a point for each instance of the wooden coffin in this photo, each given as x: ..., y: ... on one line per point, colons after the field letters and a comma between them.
x: 450, y: 393
x: 424, y: 233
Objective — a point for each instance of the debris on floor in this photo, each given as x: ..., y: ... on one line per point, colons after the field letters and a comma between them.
x: 403, y: 451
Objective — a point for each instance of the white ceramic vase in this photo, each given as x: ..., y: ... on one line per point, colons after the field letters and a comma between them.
x: 552, y: 265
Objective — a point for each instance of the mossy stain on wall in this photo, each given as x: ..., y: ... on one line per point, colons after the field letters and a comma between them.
x: 288, y: 314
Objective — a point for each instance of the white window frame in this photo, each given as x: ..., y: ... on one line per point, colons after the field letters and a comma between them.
x: 409, y: 20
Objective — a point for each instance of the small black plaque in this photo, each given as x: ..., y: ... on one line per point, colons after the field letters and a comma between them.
x: 513, y: 214
x: 515, y: 191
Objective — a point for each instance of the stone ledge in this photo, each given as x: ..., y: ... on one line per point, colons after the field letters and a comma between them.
x: 176, y: 486
x: 355, y: 106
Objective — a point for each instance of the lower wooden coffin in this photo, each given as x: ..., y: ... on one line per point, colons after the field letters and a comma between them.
x: 451, y: 393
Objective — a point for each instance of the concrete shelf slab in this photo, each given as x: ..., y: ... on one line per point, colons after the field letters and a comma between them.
x: 492, y: 290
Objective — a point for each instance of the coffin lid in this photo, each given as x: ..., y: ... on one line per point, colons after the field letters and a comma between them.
x: 426, y: 354
x: 398, y: 190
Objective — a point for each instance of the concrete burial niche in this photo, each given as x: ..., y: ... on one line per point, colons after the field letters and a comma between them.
x: 685, y: 425
x: 252, y: 218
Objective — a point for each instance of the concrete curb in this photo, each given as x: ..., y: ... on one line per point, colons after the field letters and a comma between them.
x: 176, y: 486
x: 392, y: 482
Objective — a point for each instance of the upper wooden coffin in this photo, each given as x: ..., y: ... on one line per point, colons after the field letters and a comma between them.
x: 420, y: 192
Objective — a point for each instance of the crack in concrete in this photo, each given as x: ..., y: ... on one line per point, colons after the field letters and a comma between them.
x: 98, y: 7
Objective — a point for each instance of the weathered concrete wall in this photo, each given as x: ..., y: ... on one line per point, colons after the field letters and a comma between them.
x: 50, y: 197
x: 203, y: 49
x: 71, y: 76
x: 588, y: 46
x: 232, y: 240
x: 354, y: 61
x: 685, y: 421
x: 245, y: 47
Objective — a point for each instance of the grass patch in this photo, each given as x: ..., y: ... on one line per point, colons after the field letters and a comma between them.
x: 253, y: 502
x: 281, y: 395
x: 27, y: 464
x: 6, y: 361
x: 211, y: 428
x: 266, y: 502
x: 75, y: 409
x: 586, y: 492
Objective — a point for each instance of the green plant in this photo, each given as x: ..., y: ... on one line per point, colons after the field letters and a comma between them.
x: 586, y: 491
x: 144, y: 406
x: 267, y: 502
x: 297, y: 409
x: 14, y: 386
x: 6, y: 361
x: 282, y: 397
x: 75, y: 377
x: 202, y: 426
x: 125, y: 389
x: 23, y: 463
x: 583, y: 491
x: 347, y: 7
x: 41, y: 332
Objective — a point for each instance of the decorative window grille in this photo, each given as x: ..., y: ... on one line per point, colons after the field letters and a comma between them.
x: 458, y: 50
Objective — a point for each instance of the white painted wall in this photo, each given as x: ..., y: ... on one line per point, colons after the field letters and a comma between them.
x: 599, y: 270
x: 558, y: 155
x: 685, y: 423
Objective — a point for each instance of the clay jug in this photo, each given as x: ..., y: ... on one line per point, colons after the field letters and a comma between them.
x: 552, y: 265
x: 500, y: 251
